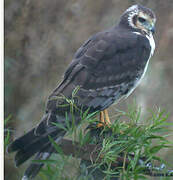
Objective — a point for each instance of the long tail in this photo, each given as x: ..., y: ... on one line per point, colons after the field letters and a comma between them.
x: 36, y: 141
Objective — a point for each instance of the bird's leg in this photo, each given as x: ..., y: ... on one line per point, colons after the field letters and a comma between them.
x: 104, y: 118
x: 107, y: 120
x: 102, y: 121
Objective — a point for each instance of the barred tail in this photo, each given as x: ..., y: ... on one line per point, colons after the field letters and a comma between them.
x: 36, y: 141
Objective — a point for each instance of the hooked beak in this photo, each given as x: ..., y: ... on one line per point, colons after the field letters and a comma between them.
x: 153, y: 30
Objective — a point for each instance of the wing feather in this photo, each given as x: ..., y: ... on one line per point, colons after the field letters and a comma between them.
x: 104, y: 68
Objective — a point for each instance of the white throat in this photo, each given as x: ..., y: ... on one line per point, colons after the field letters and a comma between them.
x: 151, y: 42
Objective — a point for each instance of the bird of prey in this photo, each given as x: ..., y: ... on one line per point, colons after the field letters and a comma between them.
x: 106, y: 69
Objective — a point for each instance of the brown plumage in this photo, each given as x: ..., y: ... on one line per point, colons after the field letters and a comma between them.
x: 105, y: 69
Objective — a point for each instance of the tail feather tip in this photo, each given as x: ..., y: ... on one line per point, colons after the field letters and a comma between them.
x: 24, y: 178
x: 9, y: 149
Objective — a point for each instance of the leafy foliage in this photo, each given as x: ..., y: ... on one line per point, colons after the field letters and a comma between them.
x: 7, y: 131
x: 134, y: 139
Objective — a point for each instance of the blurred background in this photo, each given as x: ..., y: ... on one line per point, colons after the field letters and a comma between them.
x: 41, y: 38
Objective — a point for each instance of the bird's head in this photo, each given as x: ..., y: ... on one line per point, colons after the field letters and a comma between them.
x: 139, y: 18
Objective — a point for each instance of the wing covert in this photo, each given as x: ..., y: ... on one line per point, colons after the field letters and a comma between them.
x: 104, y: 68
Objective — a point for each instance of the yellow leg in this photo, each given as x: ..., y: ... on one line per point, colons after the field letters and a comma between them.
x: 104, y: 118
x: 107, y: 120
x: 102, y: 121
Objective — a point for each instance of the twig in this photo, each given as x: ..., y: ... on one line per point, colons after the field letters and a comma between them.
x: 90, y: 152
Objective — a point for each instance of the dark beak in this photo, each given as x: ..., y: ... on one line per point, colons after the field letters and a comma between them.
x: 153, y: 30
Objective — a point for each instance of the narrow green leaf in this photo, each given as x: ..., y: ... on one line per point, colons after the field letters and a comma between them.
x: 56, y: 146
